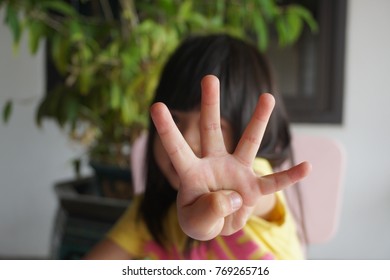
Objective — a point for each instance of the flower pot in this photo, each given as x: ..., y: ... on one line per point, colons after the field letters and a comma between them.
x: 113, y: 181
x: 83, y: 217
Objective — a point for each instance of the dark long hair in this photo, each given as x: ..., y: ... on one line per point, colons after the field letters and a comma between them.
x: 244, y: 74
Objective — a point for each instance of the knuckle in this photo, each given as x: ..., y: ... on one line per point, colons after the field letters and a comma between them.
x: 252, y: 140
x: 211, y: 127
x: 218, y: 205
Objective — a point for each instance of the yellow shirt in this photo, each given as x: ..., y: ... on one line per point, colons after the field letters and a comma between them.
x: 259, y: 239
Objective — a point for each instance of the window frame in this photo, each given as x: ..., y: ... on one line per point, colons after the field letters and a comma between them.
x: 325, y: 105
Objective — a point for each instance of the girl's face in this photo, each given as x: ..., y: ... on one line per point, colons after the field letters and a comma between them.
x: 188, y: 124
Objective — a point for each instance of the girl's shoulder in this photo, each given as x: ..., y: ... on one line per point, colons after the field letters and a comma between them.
x: 129, y: 231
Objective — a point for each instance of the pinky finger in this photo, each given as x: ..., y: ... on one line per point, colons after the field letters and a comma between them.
x: 281, y: 180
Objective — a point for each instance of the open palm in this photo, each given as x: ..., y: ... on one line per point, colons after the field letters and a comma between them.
x: 219, y: 191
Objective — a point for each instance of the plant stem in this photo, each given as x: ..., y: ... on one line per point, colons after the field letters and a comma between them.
x: 130, y: 18
x: 107, y: 10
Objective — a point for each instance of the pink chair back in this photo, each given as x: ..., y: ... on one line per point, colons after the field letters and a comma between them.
x: 321, y: 191
x: 137, y: 161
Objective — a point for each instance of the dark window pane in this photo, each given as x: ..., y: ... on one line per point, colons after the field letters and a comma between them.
x: 310, y: 73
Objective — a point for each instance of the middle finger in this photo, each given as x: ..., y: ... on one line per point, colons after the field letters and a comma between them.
x: 210, y: 119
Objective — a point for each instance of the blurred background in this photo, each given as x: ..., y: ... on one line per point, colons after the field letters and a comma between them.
x: 32, y: 160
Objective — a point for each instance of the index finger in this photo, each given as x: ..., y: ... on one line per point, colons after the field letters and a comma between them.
x: 177, y: 148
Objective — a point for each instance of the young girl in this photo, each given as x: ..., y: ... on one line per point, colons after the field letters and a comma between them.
x: 210, y: 192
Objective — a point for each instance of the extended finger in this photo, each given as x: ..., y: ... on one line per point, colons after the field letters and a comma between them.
x: 280, y: 180
x: 210, y: 119
x: 174, y: 143
x: 250, y: 141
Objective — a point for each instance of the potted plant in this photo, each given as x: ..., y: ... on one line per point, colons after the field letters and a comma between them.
x: 107, y: 56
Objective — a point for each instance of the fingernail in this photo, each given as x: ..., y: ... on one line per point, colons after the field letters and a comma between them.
x: 235, y: 201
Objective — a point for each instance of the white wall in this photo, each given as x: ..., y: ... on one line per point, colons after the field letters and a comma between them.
x: 31, y: 160
x: 364, y: 228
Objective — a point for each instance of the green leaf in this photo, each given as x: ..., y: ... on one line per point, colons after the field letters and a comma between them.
x: 294, y: 26
x: 185, y: 10
x: 86, y: 53
x: 50, y: 105
x: 60, y: 7
x: 11, y: 18
x: 127, y: 111
x: 281, y: 28
x: 146, y: 27
x: 168, y: 6
x: 148, y: 48
x: 7, y: 110
x: 36, y: 33
x: 220, y: 7
x: 72, y: 108
x: 59, y: 50
x: 199, y: 21
x: 304, y: 14
x: 115, y: 96
x: 268, y: 8
x: 86, y: 78
x: 261, y: 30
x: 75, y: 31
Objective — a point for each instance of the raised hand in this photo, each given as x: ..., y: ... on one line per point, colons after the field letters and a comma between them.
x: 219, y: 190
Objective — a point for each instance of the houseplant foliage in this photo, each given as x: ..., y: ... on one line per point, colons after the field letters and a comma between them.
x: 109, y: 54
